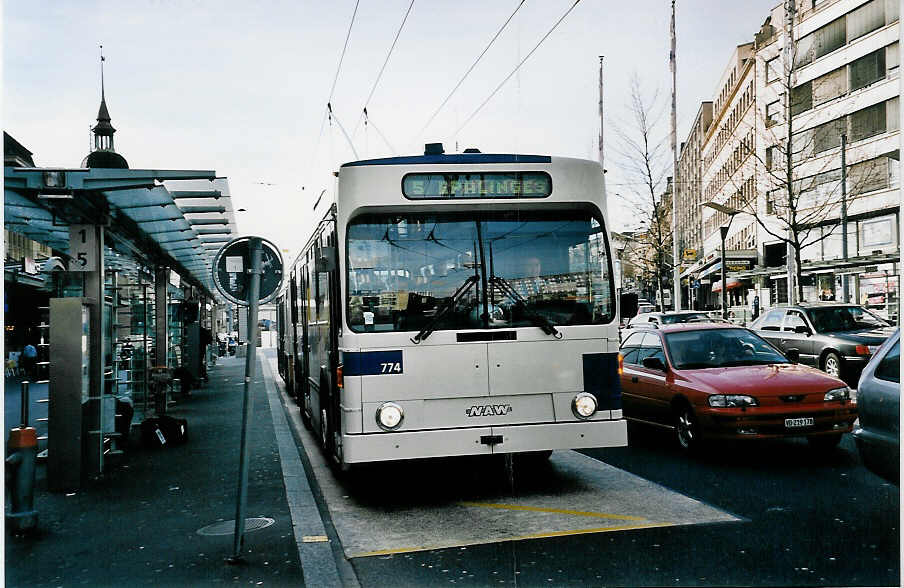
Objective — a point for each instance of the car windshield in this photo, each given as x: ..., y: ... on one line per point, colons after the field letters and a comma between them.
x: 717, y: 348
x: 832, y: 319
x: 689, y: 317
x: 528, y: 269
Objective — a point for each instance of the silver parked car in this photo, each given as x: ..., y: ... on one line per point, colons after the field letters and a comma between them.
x: 879, y: 402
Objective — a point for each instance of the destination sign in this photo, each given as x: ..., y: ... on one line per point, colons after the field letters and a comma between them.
x: 452, y: 186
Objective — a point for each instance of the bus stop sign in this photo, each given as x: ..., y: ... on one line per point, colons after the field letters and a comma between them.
x: 232, y: 270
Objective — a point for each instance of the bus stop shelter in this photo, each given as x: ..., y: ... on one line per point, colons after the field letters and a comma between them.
x: 116, y: 231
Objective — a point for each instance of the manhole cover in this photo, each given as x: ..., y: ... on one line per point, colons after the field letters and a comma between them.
x: 228, y: 527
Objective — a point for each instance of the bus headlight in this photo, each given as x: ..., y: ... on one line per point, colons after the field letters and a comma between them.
x: 584, y: 405
x: 390, y: 416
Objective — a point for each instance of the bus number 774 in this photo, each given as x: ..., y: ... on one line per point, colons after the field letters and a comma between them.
x: 392, y: 367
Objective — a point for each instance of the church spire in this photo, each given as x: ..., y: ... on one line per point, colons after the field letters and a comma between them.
x: 103, y: 131
x: 104, y: 155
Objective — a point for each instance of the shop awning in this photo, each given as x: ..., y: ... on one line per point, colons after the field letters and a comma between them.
x: 731, y: 283
x: 710, y: 270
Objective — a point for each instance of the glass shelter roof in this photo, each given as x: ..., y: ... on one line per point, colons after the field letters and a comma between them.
x: 174, y: 218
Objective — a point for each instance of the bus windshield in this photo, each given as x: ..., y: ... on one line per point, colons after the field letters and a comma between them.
x: 495, y: 270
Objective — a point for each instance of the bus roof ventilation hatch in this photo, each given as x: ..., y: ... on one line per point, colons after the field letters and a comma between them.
x: 434, y: 149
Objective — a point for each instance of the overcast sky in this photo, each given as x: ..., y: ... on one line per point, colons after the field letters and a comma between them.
x: 241, y: 87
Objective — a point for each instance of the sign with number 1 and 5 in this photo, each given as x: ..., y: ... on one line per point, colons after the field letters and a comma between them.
x: 82, y: 248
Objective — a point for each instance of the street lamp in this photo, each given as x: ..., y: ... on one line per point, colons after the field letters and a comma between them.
x: 723, y: 232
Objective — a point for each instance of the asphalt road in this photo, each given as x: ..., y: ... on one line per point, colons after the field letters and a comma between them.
x: 807, y: 519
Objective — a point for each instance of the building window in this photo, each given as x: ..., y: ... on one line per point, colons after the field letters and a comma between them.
x: 801, y: 98
x: 868, y: 122
x: 831, y: 243
x: 891, y: 58
x: 866, y: 19
x: 830, y: 86
x: 869, y: 175
x: 827, y: 135
x: 773, y: 69
x: 876, y: 233
x: 868, y: 69
x: 820, y: 42
x: 891, y: 114
x: 772, y: 110
x: 892, y: 11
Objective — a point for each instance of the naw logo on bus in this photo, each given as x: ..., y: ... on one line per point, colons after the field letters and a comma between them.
x: 489, y: 410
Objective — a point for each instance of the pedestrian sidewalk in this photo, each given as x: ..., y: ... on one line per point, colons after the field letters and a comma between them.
x: 140, y: 523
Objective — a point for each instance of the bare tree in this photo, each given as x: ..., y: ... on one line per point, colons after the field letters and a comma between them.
x: 640, y: 153
x: 805, y: 191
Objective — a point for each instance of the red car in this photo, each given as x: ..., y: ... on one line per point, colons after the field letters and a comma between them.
x: 719, y: 381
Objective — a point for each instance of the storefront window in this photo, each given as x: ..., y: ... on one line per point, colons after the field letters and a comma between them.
x: 876, y: 233
x: 879, y: 292
x: 831, y: 244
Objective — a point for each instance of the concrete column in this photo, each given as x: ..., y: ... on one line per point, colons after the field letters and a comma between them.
x: 161, y: 346
x: 94, y: 290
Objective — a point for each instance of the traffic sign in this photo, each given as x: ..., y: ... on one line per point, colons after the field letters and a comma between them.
x: 232, y: 270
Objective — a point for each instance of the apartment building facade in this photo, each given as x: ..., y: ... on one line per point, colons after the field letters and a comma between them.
x: 727, y: 179
x: 838, y: 81
x: 844, y: 88
x: 689, y: 194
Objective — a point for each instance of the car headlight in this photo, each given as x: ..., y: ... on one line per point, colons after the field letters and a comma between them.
x: 843, y: 393
x: 584, y: 405
x: 732, y: 400
x: 390, y: 416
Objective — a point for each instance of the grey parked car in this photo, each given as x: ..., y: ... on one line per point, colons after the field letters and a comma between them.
x: 836, y: 338
x: 879, y: 405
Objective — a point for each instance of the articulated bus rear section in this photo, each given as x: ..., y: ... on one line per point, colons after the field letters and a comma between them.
x: 473, y: 324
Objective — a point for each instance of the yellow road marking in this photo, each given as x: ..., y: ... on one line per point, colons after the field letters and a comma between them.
x: 597, y: 530
x: 314, y: 539
x: 580, y: 513
x: 517, y: 538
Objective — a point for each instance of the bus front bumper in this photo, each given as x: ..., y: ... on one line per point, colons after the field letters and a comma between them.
x: 371, y: 447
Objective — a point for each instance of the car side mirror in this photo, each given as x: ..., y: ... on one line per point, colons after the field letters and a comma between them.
x: 793, y: 355
x: 653, y: 363
x: 803, y: 330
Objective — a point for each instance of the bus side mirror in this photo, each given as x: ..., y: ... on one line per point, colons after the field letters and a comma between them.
x: 326, y: 259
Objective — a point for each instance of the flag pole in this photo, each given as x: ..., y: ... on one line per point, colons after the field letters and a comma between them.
x: 676, y: 261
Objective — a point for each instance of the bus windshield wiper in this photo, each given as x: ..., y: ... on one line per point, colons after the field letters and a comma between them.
x: 534, y: 317
x: 445, y: 309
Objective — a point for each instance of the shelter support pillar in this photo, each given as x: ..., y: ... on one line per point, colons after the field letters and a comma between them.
x: 161, y: 346
x: 94, y: 290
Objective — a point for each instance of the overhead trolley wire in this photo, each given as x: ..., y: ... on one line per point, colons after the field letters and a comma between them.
x: 382, y: 69
x: 367, y: 121
x: 328, y: 110
x: 508, y: 77
x: 344, y: 48
x: 473, y: 65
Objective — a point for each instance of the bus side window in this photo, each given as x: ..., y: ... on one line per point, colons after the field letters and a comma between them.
x: 293, y: 299
x: 311, y: 289
x: 323, y: 283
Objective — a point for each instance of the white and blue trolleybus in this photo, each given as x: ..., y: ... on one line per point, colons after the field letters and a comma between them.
x: 454, y: 305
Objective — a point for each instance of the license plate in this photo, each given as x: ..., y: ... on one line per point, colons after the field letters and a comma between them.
x: 801, y: 422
